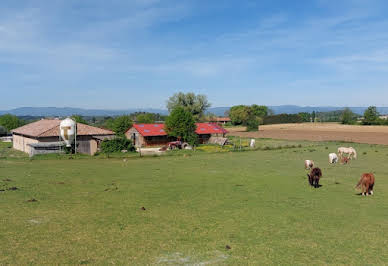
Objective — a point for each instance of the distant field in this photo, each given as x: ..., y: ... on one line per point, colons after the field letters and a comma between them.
x: 318, y: 132
x: 258, y: 203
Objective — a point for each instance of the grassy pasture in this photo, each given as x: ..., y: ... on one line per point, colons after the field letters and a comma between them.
x: 88, y: 211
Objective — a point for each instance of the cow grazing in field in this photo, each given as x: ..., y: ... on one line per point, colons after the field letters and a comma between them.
x: 345, y: 160
x: 333, y: 158
x: 314, y: 176
x: 308, y: 164
x: 351, y: 152
x: 367, y: 181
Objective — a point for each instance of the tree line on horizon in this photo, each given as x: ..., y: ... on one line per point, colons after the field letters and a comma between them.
x: 189, y: 108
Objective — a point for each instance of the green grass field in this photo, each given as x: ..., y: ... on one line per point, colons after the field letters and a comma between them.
x: 259, y: 203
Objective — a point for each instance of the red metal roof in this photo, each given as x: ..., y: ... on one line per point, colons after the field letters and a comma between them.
x: 148, y: 130
x: 209, y: 128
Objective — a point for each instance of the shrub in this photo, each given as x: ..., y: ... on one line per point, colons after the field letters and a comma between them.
x: 116, y: 145
x: 252, y: 124
x: 282, y: 119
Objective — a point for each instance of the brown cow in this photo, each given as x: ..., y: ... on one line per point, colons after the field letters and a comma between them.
x: 314, y: 177
x: 367, y: 181
x: 345, y: 160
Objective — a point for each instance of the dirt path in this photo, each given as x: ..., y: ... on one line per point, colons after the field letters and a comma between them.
x: 319, y: 132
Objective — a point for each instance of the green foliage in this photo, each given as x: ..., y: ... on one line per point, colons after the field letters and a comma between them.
x: 249, y: 116
x: 239, y: 114
x: 119, y: 124
x: 253, y: 123
x: 3, y: 131
x: 282, y: 119
x: 259, y: 110
x: 146, y: 118
x: 116, y: 145
x: 10, y: 122
x: 348, y: 117
x: 371, y: 115
x: 181, y: 124
x: 195, y: 104
x: 79, y: 119
x: 306, y: 117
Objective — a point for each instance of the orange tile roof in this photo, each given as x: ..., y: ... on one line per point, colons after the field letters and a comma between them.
x: 50, y: 128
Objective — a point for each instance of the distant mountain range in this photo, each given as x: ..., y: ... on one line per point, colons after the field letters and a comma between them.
x: 220, y: 111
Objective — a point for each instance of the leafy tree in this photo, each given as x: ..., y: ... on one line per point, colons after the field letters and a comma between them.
x: 313, y: 116
x: 371, y: 115
x: 146, y: 118
x: 3, y: 131
x: 10, y: 122
x: 253, y: 123
x: 195, y: 104
x: 119, y: 124
x: 348, y: 117
x: 239, y: 114
x: 79, y: 119
x: 181, y: 124
x: 116, y: 145
x: 305, y: 116
x: 259, y: 110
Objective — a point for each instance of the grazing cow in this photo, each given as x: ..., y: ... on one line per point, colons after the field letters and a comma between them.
x: 314, y: 177
x: 367, y: 181
x: 333, y: 158
x: 345, y: 160
x: 308, y: 164
x: 350, y: 151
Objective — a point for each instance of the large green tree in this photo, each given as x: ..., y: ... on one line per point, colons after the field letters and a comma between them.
x: 146, y: 118
x: 3, y: 131
x: 371, y: 115
x: 348, y: 117
x: 181, y: 124
x: 119, y: 124
x: 195, y: 104
x: 239, y: 114
x: 249, y: 116
x: 259, y: 110
x: 79, y: 119
x: 10, y: 122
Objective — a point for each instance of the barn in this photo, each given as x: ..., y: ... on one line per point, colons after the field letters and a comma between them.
x: 154, y: 135
x: 44, y: 135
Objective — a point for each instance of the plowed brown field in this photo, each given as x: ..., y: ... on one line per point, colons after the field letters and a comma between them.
x: 318, y: 132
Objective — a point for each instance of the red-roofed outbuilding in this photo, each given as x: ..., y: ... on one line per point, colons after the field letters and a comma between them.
x: 155, y: 135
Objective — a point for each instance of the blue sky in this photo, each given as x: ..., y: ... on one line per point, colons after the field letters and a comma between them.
x: 136, y: 53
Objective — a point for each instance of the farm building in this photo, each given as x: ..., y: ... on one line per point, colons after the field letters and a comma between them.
x: 44, y: 135
x: 154, y: 134
x: 220, y: 120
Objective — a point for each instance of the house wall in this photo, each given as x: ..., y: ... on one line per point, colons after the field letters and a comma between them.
x: 20, y: 143
x: 93, y: 146
x: 85, y: 144
x: 139, y: 139
x: 158, y: 140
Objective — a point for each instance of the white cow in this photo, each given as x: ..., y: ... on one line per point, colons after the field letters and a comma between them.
x: 350, y: 151
x: 333, y: 158
x: 308, y: 164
